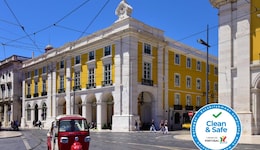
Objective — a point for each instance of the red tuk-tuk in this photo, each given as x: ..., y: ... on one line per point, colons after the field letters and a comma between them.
x: 68, y: 132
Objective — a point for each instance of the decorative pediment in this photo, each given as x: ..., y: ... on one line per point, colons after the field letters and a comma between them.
x: 123, y: 10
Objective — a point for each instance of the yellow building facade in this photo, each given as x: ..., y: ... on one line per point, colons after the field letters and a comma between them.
x: 125, y: 73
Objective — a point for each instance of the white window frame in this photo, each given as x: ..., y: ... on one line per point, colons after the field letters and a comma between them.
x: 77, y: 60
x: 36, y: 72
x: 147, y: 70
x: 198, y: 84
x: 198, y: 101
x: 107, y: 72
x: 177, y: 59
x: 177, y: 99
x: 198, y: 65
x: 62, y: 64
x: 62, y: 82
x: 188, y: 62
x: 188, y: 82
x: 91, y: 75
x: 109, y: 50
x: 177, y: 80
x: 147, y: 49
x: 91, y: 55
x: 77, y: 79
x: 35, y: 87
x: 44, y: 86
x: 188, y: 100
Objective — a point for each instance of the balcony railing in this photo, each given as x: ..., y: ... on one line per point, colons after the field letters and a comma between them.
x: 91, y: 85
x: 62, y: 90
x: 35, y: 94
x: 107, y: 83
x: 188, y: 107
x: 77, y: 88
x: 44, y: 93
x: 147, y: 82
x: 177, y: 107
x: 28, y: 96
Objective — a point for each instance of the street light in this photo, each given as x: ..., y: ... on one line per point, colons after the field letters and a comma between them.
x: 70, y: 79
x: 207, y: 62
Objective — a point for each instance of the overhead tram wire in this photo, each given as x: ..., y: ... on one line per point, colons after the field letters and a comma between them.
x: 45, y: 28
x: 92, y: 21
x: 22, y: 27
x: 75, y: 9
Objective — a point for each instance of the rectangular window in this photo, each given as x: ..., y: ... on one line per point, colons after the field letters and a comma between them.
x: 188, y: 100
x: 9, y: 88
x: 177, y: 99
x: 91, y: 55
x: 107, y: 50
x: 36, y: 72
x: 177, y: 80
x: 36, y: 87
x: 188, y: 82
x: 61, y: 82
x: 77, y: 60
x: 107, y: 72
x: 3, y: 90
x: 44, y: 70
x: 77, y: 79
x: 147, y: 70
x: 91, y: 76
x: 147, y: 49
x: 177, y: 59
x: 198, y: 84
x: 28, y: 89
x: 198, y: 66
x: 44, y: 87
x: 198, y: 101
x: 188, y: 62
x: 62, y: 64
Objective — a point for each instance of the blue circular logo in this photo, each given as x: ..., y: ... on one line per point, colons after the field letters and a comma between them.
x: 215, y: 126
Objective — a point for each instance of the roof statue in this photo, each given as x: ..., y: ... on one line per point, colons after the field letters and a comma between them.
x: 123, y: 10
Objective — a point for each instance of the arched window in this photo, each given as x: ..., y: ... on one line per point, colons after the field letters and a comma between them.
x: 28, y: 112
x: 44, y: 111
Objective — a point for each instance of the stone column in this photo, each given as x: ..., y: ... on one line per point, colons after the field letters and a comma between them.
x: 88, y: 112
x: 54, y: 101
x: 23, y: 124
x: 6, y: 121
x: 68, y: 86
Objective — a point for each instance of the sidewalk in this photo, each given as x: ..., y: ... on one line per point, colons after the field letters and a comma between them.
x: 244, y: 139
x: 8, y: 133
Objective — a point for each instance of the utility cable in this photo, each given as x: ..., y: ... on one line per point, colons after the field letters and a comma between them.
x: 92, y: 21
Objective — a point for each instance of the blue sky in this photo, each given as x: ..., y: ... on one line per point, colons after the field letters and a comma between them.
x: 26, y: 27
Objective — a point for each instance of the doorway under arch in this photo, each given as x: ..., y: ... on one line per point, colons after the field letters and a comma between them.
x: 145, y: 110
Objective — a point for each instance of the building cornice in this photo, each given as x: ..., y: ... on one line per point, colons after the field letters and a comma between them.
x: 218, y: 3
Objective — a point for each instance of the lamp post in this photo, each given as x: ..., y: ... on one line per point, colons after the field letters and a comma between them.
x: 70, y: 79
x: 207, y: 62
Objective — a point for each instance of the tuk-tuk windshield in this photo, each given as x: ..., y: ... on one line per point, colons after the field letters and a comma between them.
x: 72, y: 125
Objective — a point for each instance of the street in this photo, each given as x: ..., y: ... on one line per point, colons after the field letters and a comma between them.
x: 35, y: 139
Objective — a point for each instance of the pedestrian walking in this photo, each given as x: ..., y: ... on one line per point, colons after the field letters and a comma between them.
x: 136, y: 125
x: 162, y: 126
x: 152, y: 127
x: 166, y: 127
